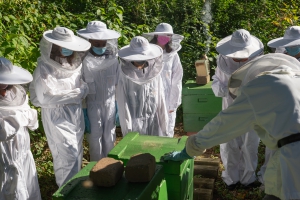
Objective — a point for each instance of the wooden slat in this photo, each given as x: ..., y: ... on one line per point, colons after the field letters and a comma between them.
x: 206, y: 183
x: 206, y: 171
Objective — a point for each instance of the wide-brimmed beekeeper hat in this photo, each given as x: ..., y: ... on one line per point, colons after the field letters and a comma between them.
x: 258, y: 66
x: 240, y: 45
x: 291, y: 38
x: 13, y: 75
x: 164, y: 29
x: 97, y: 30
x: 140, y: 49
x: 64, y: 37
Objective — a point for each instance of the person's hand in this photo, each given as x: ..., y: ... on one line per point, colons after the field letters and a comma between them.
x: 86, y: 121
x: 170, y: 111
x: 176, y: 156
x: 84, y: 89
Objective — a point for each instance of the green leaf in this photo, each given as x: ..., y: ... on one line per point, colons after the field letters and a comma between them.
x: 6, y: 18
x: 120, y: 16
x: 8, y: 51
x: 11, y: 36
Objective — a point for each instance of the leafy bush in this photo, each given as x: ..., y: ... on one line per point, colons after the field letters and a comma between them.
x: 202, y: 23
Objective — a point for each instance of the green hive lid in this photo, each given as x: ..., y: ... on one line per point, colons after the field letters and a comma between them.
x: 191, y: 87
x: 123, y: 190
x: 134, y: 143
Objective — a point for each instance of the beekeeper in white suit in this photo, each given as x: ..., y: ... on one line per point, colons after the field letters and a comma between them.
x: 140, y: 92
x: 267, y: 100
x: 290, y: 42
x: 58, y: 88
x: 172, y: 72
x: 290, y: 45
x: 101, y: 72
x: 239, y: 156
x: 18, y: 176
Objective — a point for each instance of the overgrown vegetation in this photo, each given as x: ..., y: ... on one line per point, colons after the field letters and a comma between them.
x: 202, y: 23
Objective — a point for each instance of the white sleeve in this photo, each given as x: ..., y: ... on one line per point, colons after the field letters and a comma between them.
x: 219, y: 84
x: 123, y: 110
x: 47, y: 95
x: 230, y: 123
x: 176, y: 81
x: 163, y: 113
x: 32, y: 119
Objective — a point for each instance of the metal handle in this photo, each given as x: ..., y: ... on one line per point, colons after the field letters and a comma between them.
x: 202, y: 100
x: 203, y: 119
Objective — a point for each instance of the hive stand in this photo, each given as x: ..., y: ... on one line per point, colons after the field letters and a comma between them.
x: 205, y: 172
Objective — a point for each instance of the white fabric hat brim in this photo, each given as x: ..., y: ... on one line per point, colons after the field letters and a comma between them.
x: 174, y: 37
x: 160, y: 33
x: 225, y: 48
x: 77, y: 44
x: 281, y: 42
x: 104, y: 35
x: 127, y: 53
x: 18, y: 76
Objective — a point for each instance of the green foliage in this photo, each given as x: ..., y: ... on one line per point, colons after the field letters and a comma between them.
x: 265, y: 19
x: 202, y: 23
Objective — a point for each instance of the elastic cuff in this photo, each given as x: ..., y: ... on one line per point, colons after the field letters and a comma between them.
x: 191, y: 148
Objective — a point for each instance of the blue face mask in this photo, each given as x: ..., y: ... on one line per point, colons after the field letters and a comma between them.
x: 99, y: 50
x: 292, y: 51
x: 66, y: 52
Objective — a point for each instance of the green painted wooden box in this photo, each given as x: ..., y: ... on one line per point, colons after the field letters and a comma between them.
x: 199, y: 105
x: 178, y: 175
x: 74, y: 189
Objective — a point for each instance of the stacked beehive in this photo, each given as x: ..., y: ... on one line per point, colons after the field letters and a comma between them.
x: 178, y: 175
x: 199, y: 104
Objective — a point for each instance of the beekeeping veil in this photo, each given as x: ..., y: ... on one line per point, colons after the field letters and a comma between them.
x: 140, y: 50
x: 97, y: 30
x: 265, y: 64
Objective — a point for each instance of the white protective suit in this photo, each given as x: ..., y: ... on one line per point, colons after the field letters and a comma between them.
x: 18, y: 176
x: 172, y: 81
x: 269, y: 103
x: 239, y: 156
x: 59, y: 92
x: 101, y: 74
x: 141, y: 100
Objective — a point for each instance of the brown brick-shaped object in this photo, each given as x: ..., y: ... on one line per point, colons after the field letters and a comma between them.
x: 107, y: 172
x: 140, y: 168
x: 202, y: 80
